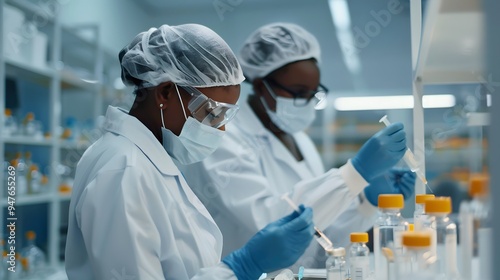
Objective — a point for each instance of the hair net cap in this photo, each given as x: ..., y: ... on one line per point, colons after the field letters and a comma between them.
x: 275, y: 45
x: 188, y: 54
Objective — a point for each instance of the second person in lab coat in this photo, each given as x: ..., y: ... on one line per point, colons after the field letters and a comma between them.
x: 266, y: 154
x: 132, y: 214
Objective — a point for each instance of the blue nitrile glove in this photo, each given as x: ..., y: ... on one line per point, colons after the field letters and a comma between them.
x: 396, y: 181
x: 381, y: 152
x: 276, y: 246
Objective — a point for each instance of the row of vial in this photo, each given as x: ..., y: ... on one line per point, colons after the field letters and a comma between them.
x: 29, y: 263
x: 28, y: 127
x: 29, y: 177
x: 428, y: 252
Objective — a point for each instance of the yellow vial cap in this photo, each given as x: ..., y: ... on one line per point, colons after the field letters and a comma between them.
x: 411, y: 227
x: 8, y: 112
x: 421, y: 198
x: 391, y: 201
x: 359, y: 237
x: 438, y: 205
x: 478, y: 185
x: 416, y: 239
x: 30, y: 235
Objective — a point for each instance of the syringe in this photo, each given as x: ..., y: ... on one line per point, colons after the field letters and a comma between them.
x: 409, y: 157
x: 320, y: 236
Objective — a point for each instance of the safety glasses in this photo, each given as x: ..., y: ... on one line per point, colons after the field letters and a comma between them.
x: 301, y: 99
x: 208, y: 111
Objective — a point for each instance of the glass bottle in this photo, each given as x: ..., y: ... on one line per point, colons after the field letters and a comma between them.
x: 29, y: 125
x: 387, y: 233
x: 419, y: 215
x: 417, y: 261
x: 443, y: 236
x: 475, y: 229
x: 35, y: 257
x: 10, y: 125
x: 359, y: 256
x: 21, y: 182
x: 336, y: 264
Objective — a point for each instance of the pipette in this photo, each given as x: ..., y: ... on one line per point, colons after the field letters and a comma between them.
x: 320, y: 236
x: 409, y: 158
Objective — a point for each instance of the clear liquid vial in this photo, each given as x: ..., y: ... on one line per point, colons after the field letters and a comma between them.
x: 336, y: 264
x: 387, y: 234
x: 359, y: 256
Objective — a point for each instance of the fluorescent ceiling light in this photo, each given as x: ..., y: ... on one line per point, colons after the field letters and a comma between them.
x: 392, y: 102
x: 340, y: 13
x: 342, y: 22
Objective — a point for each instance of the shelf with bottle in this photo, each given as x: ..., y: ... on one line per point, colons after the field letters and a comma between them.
x: 27, y: 132
x: 30, y: 262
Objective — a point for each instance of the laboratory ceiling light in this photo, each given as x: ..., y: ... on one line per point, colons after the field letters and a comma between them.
x: 362, y: 103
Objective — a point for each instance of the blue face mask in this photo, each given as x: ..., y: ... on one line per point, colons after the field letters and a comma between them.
x: 196, y: 141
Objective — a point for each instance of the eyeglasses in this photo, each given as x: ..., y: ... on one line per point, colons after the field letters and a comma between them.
x: 208, y: 111
x: 302, y: 98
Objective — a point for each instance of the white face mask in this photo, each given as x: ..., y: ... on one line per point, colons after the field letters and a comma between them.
x: 288, y: 117
x: 196, y: 141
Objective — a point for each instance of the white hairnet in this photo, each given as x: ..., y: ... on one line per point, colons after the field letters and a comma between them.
x: 188, y: 54
x: 275, y: 45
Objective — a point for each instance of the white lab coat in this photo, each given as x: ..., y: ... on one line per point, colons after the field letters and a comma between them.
x: 242, y: 182
x: 132, y: 215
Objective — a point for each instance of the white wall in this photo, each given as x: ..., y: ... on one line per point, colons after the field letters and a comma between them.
x: 385, y: 60
x: 119, y: 20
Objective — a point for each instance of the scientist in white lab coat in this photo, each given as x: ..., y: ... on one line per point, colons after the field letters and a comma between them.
x: 266, y: 153
x: 132, y: 215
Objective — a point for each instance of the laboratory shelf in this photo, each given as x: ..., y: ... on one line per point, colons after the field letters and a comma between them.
x: 32, y: 10
x: 71, y: 80
x: 25, y: 71
x: 452, y: 43
x: 30, y: 199
x: 25, y: 140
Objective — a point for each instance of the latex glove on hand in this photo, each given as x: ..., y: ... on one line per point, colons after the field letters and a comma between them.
x: 276, y: 246
x: 381, y: 152
x: 396, y: 181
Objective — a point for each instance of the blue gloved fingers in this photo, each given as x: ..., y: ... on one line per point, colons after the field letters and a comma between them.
x: 289, y: 217
x: 408, y: 184
x: 393, y: 128
x: 301, y: 222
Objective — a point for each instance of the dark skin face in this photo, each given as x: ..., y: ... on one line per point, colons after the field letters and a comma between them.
x: 300, y: 76
x: 147, y: 106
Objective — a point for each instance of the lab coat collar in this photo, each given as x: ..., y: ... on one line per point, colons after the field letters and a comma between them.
x: 118, y: 121
x: 248, y: 121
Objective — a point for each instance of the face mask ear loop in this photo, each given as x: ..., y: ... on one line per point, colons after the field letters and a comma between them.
x: 161, y: 114
x: 263, y: 100
x: 180, y: 99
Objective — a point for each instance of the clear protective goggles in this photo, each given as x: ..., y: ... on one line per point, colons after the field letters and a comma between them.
x: 208, y: 111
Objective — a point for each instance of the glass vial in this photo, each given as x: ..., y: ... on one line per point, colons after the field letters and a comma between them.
x: 359, y: 256
x: 387, y: 232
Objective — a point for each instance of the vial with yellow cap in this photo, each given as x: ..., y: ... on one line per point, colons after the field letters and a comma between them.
x: 417, y: 262
x: 387, y: 231
x: 9, y: 124
x: 359, y: 256
x: 444, y: 236
x: 419, y: 215
x: 476, y: 228
x: 35, y: 257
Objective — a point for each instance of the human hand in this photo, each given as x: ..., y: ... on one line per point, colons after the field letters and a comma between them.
x: 396, y: 181
x: 381, y: 152
x: 276, y: 246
